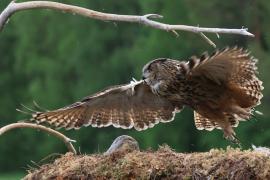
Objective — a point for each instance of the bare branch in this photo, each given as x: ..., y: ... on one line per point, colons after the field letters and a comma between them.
x: 145, y: 19
x: 59, y: 135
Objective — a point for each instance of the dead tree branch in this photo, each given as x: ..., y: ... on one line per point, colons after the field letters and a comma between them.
x: 59, y: 135
x: 147, y: 20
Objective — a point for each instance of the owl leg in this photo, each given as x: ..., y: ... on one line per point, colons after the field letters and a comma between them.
x: 243, y: 113
x: 230, y: 135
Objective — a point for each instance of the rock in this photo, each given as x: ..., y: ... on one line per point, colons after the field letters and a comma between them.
x: 123, y: 143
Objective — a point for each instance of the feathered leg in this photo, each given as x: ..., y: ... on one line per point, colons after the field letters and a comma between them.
x: 230, y: 135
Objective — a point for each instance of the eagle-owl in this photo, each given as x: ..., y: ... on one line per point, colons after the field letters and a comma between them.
x: 222, y: 89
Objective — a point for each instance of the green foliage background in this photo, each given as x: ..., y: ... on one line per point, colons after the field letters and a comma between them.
x: 56, y: 59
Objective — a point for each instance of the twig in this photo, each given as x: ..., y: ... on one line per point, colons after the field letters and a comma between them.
x: 59, y: 135
x: 144, y: 19
x: 208, y: 40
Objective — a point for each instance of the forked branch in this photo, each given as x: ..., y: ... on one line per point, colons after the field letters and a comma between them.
x: 147, y: 20
x: 59, y: 135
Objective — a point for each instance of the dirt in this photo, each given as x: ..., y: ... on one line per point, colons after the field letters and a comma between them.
x: 161, y: 164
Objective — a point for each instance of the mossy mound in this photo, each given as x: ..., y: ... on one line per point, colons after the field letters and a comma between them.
x: 161, y: 164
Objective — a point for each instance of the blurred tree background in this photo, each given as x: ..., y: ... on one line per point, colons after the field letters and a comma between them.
x: 56, y: 59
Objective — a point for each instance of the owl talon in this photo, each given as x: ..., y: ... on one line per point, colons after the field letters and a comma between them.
x: 233, y: 139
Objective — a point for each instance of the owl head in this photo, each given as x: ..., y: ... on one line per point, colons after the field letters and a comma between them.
x: 160, y: 69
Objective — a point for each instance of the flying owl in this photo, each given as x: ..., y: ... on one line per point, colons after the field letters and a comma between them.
x: 221, y: 88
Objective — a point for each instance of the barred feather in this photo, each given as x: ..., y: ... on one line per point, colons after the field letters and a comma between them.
x: 237, y: 91
x: 202, y: 123
x: 127, y: 106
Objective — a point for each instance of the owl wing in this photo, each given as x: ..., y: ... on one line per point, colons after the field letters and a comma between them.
x: 230, y: 73
x: 219, y: 66
x: 202, y: 122
x: 235, y: 69
x: 230, y: 66
x: 124, y: 106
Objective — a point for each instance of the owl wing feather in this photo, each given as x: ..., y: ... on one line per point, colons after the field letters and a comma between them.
x: 123, y: 106
x: 233, y: 71
x: 233, y: 67
x: 202, y: 122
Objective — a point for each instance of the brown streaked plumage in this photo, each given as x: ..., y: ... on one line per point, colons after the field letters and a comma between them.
x: 222, y: 89
x: 125, y: 106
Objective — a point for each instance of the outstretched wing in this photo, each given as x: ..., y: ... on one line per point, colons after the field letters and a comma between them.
x: 124, y: 106
x: 225, y: 81
x: 233, y: 68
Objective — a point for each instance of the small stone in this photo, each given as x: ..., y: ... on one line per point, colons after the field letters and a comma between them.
x: 123, y: 143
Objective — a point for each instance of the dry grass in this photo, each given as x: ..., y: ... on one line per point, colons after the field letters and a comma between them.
x: 162, y: 164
